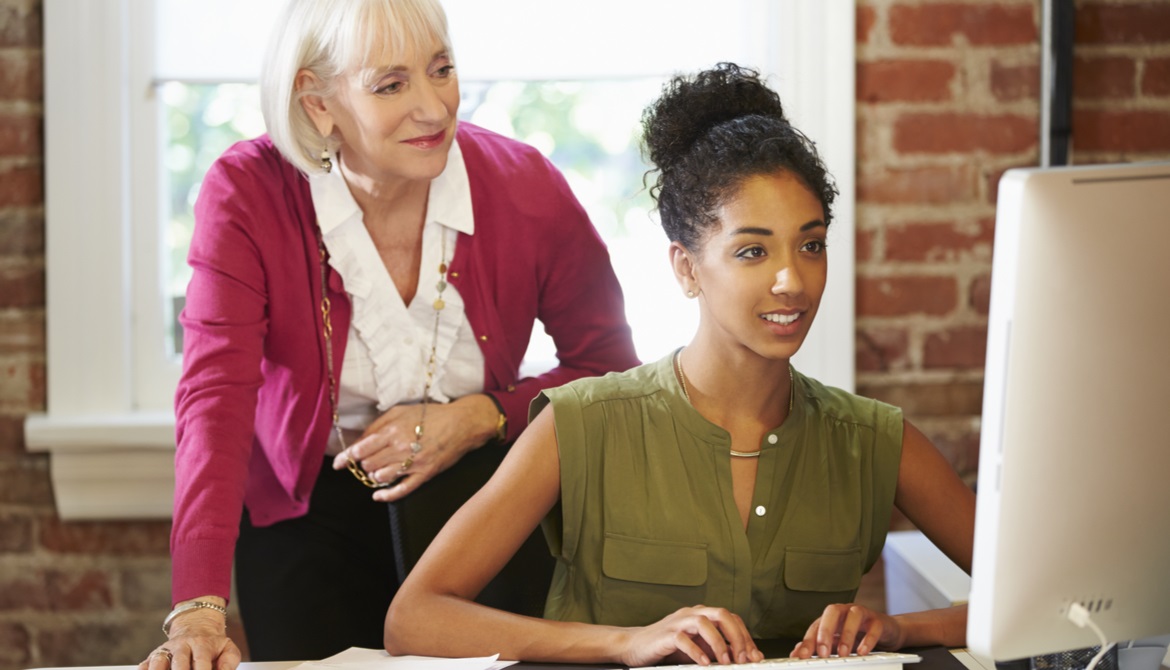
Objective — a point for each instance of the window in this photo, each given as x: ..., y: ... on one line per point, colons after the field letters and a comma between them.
x: 130, y: 128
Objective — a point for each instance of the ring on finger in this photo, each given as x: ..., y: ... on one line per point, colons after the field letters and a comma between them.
x: 165, y: 652
x: 406, y: 464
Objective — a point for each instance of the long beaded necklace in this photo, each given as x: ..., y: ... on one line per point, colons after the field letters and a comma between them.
x: 416, y: 445
x: 682, y: 378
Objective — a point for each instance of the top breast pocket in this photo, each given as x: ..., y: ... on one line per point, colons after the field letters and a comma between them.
x: 812, y: 580
x: 644, y: 580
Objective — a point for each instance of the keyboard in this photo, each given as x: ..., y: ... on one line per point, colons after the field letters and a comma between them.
x: 878, y: 660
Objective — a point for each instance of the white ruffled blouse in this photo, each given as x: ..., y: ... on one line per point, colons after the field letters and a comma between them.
x: 390, y: 342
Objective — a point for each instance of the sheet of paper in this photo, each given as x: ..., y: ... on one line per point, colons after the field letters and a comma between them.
x: 356, y: 658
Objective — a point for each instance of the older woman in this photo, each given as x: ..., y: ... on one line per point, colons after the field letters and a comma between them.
x: 366, y: 279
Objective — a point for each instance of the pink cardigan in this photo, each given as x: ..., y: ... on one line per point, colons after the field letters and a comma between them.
x: 252, y: 406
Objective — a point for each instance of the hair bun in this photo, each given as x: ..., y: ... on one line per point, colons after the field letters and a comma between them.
x: 690, y: 106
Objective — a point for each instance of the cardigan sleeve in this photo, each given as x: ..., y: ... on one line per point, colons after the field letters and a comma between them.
x: 224, y: 325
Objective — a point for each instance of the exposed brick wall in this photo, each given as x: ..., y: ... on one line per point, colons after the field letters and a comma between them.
x: 70, y: 593
x: 947, y: 99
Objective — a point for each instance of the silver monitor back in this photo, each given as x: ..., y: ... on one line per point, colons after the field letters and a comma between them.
x: 1074, y: 466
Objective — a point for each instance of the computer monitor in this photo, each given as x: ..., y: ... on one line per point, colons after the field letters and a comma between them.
x: 1074, y: 464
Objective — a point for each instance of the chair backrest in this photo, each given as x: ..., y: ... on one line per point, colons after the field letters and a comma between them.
x: 522, y: 585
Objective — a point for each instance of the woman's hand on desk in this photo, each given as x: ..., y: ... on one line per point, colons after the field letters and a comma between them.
x: 197, y: 641
x: 703, y: 635
x: 449, y: 431
x: 843, y: 629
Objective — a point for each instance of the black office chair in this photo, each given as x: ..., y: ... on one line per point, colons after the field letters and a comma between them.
x: 522, y: 585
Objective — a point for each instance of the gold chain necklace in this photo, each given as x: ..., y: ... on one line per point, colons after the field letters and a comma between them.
x: 682, y: 378
x: 416, y: 445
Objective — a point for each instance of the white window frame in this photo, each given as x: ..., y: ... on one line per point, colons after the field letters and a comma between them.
x: 109, y: 426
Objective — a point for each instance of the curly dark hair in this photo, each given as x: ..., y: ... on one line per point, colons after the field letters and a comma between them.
x: 707, y: 133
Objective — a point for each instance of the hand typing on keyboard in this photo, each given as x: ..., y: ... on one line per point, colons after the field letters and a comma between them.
x: 880, y: 660
x: 702, y: 635
x: 844, y: 629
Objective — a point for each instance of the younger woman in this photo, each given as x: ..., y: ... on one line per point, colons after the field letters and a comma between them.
x: 719, y: 474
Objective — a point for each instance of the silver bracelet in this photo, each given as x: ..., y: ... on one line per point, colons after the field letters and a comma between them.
x: 187, y: 607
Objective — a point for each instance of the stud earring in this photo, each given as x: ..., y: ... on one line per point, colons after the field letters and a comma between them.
x: 690, y: 294
x: 326, y: 161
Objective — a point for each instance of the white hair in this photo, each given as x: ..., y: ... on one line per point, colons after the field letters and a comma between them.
x: 330, y: 38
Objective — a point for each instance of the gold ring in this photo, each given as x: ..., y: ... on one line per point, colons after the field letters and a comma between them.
x: 166, y: 652
x: 406, y: 464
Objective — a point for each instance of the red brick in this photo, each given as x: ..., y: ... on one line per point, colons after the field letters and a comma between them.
x: 14, y: 645
x: 1109, y: 77
x: 78, y: 591
x: 22, y: 187
x: 1156, y: 77
x: 962, y: 133
x: 22, y: 233
x: 20, y: 135
x: 25, y: 481
x: 1122, y: 23
x: 980, y: 292
x: 1121, y: 130
x: 939, y: 24
x: 119, y: 641
x: 905, y: 295
x: 20, y: 23
x: 963, y: 347
x: 868, y: 145
x: 22, y: 386
x: 904, y: 81
x: 959, y: 444
x: 22, y: 76
x: 866, y: 17
x: 11, y: 436
x: 1015, y: 82
x: 21, y: 332
x: 863, y: 246
x: 22, y: 285
x: 917, y: 185
x: 116, y: 538
x: 15, y: 533
x: 934, y: 242
x: 146, y: 588
x: 882, y: 350
x: 929, y: 400
x: 23, y: 590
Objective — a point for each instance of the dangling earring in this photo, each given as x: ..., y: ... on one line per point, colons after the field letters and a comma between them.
x: 326, y: 161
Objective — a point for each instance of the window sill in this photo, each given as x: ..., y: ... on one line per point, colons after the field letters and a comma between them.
x: 108, y: 467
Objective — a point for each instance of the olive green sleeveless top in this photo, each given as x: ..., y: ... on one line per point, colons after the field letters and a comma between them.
x: 647, y: 522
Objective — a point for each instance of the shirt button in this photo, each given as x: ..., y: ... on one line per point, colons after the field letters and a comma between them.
x: 772, y: 439
x: 483, y: 338
x: 511, y: 388
x: 761, y: 510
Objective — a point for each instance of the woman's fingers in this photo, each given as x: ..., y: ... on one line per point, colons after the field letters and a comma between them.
x: 704, y: 635
x: 706, y: 629
x: 740, y: 646
x: 855, y: 617
x: 827, y: 632
x: 837, y: 630
x: 194, y: 653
